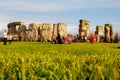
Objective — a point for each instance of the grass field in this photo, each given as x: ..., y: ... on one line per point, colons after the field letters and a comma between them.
x: 46, y: 61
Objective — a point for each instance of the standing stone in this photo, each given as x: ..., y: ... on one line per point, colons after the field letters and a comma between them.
x: 34, y: 31
x: 109, y: 33
x: 99, y: 30
x: 99, y: 33
x: 46, y: 32
x: 62, y: 29
x: 59, y: 28
x: 84, y: 28
x: 22, y: 31
x: 55, y: 29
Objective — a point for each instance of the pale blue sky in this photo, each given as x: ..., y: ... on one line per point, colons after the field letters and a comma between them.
x: 99, y: 12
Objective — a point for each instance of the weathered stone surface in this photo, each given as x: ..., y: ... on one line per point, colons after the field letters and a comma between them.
x: 16, y: 23
x: 33, y: 26
x: 84, y: 28
x: 33, y: 31
x: 55, y: 29
x: 36, y: 31
x: 99, y: 33
x: 99, y: 30
x: 12, y: 27
x: 109, y: 33
x: 22, y: 31
x: 60, y: 28
x: 46, y: 31
x: 17, y: 29
x: 40, y: 31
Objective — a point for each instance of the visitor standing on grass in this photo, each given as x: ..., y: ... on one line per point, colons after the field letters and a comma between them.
x: 9, y: 38
x: 92, y: 38
x: 5, y: 37
x: 58, y: 38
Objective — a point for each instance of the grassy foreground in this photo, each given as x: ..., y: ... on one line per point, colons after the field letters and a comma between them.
x: 46, y: 61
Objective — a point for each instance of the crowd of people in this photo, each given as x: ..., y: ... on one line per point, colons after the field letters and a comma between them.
x: 69, y: 39
x: 56, y: 40
x: 63, y: 40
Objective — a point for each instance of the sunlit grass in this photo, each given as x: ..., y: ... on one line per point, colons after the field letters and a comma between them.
x: 76, y: 61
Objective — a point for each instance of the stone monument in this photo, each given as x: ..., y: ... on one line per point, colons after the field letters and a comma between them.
x: 60, y: 28
x: 84, y: 28
x: 46, y: 31
x: 109, y: 34
x: 17, y: 29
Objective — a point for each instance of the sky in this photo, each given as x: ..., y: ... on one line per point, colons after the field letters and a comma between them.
x: 98, y: 12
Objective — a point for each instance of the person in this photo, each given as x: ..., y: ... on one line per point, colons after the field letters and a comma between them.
x: 58, y: 38
x: 5, y: 37
x: 9, y: 38
x: 92, y: 38
x: 85, y: 38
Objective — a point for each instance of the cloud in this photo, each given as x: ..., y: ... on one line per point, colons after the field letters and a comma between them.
x: 26, y: 10
x: 34, y: 6
x: 4, y: 19
x: 50, y: 6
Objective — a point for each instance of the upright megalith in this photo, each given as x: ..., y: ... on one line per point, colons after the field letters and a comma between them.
x: 99, y: 33
x: 33, y: 31
x: 46, y: 32
x: 99, y: 30
x: 109, y: 34
x: 55, y: 30
x: 84, y: 28
x: 60, y: 28
x: 40, y: 32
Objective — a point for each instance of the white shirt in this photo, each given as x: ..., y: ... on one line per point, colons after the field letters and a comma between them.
x: 5, y: 34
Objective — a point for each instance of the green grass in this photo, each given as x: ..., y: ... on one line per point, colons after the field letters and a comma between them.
x: 46, y: 61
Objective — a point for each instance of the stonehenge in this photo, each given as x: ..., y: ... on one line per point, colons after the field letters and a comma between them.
x: 33, y: 33
x: 107, y: 34
x: 44, y: 31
